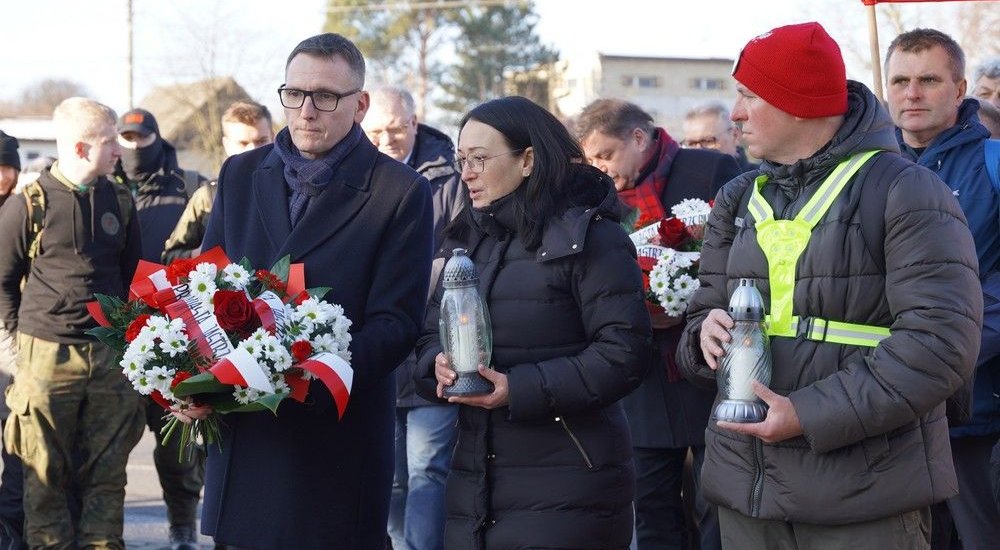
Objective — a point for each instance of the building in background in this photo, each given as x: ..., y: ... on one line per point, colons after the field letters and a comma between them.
x: 665, y: 87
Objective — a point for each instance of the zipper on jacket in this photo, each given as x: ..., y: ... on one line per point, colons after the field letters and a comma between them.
x: 758, y: 477
x: 579, y: 447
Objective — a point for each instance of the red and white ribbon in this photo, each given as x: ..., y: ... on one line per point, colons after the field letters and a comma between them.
x: 154, y: 289
x: 201, y: 325
x: 271, y: 312
x: 240, y: 368
x: 335, y: 373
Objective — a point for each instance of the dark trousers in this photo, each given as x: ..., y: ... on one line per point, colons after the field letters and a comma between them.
x: 973, y: 513
x: 907, y: 531
x: 659, y: 507
x: 181, y: 481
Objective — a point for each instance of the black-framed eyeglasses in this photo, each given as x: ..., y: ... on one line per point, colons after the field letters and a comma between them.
x: 477, y: 163
x: 707, y: 143
x: 294, y: 98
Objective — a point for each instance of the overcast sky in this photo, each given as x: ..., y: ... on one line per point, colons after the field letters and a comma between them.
x: 183, y: 40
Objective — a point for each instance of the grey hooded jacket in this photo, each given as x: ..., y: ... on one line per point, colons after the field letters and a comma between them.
x: 875, y: 437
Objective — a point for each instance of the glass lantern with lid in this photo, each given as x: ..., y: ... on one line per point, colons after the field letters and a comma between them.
x: 464, y: 327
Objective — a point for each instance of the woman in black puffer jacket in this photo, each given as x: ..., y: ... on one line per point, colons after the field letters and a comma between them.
x: 545, y: 461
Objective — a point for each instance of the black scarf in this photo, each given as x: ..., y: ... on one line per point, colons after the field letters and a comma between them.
x: 309, y: 177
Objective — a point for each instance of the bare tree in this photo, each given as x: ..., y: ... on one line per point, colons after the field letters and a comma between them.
x: 42, y: 97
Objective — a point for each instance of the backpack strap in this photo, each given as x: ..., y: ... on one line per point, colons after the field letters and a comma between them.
x: 192, y: 181
x: 125, y: 200
x: 991, y: 150
x: 34, y: 197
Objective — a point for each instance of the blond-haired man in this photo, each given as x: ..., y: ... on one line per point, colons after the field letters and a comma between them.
x: 69, y: 398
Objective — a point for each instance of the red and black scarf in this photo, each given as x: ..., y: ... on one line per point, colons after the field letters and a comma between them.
x: 652, y: 181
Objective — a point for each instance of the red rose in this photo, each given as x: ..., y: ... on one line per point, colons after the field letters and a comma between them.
x: 673, y: 233
x: 235, y: 312
x: 180, y: 268
x: 179, y: 377
x: 132, y: 332
x: 301, y: 350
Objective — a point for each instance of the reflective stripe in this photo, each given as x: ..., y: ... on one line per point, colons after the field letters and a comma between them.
x: 852, y: 334
x: 783, y: 242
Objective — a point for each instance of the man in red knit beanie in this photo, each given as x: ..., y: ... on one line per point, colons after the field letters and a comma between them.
x: 868, y: 275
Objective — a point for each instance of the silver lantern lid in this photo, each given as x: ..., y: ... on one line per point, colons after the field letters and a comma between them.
x: 460, y: 272
x: 746, y: 303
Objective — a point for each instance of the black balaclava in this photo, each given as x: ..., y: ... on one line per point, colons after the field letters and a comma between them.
x: 139, y: 164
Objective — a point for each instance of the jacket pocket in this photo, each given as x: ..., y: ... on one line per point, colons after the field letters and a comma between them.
x: 576, y: 442
x: 14, y: 427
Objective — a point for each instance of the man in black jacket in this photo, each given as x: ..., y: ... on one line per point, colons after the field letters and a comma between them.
x: 74, y: 417
x: 425, y: 431
x: 667, y: 415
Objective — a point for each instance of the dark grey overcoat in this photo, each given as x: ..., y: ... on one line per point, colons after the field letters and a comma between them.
x: 304, y: 479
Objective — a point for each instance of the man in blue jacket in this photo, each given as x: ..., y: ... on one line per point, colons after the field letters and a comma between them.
x: 937, y: 127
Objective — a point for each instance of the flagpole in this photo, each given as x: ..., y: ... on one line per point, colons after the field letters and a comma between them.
x: 873, y: 42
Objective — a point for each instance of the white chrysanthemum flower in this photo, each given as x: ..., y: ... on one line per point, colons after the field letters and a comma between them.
x: 156, y: 325
x: 260, y: 336
x: 252, y: 347
x: 325, y: 342
x: 174, y: 346
x: 242, y: 395
x: 309, y: 309
x: 143, y: 385
x: 685, y: 284
x: 144, y: 346
x: 280, y: 386
x: 160, y: 374
x: 132, y: 368
x: 282, y: 361
x: 202, y: 286
x: 254, y: 394
x: 235, y: 275
x: 206, y: 268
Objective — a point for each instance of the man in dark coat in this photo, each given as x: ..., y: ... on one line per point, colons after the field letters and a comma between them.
x: 854, y: 447
x: 425, y: 431
x: 361, y: 223
x: 667, y: 414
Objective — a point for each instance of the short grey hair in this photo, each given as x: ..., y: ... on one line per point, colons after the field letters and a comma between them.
x: 990, y: 69
x: 712, y: 108
x: 329, y: 45
x: 395, y: 93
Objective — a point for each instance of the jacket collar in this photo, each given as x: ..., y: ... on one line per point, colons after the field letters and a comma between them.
x: 328, y: 213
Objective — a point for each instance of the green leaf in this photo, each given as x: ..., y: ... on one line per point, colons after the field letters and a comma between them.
x: 113, y: 338
x: 280, y: 268
x: 205, y: 382
x: 245, y: 264
x: 318, y: 292
x: 271, y: 401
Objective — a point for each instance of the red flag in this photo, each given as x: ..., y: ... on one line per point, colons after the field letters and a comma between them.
x: 873, y: 2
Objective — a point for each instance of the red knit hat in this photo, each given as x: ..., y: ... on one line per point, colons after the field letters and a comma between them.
x: 798, y: 69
